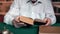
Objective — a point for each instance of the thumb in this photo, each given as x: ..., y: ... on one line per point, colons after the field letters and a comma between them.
x: 17, y: 19
x: 45, y: 20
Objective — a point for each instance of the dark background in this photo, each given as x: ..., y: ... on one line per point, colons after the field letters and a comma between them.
x: 57, y: 11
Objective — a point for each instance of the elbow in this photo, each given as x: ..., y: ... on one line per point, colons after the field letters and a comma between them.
x: 53, y: 21
x: 7, y: 19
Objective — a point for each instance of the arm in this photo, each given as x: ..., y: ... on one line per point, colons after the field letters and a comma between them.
x: 12, y: 13
x: 49, y: 12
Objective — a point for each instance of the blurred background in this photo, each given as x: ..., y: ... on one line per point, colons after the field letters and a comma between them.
x: 5, y: 5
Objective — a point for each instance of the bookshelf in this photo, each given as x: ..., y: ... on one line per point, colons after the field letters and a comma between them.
x: 56, y: 6
x: 4, y: 6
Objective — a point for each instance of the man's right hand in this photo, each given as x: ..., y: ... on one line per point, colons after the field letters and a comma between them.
x: 17, y: 23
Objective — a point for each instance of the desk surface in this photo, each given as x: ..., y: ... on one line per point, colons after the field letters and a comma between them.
x: 49, y: 29
x: 54, y: 29
x: 22, y: 30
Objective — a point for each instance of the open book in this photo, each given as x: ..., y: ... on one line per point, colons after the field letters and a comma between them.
x: 31, y: 21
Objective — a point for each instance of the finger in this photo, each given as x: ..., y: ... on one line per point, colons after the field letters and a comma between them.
x: 17, y: 19
x: 48, y: 23
x: 22, y: 24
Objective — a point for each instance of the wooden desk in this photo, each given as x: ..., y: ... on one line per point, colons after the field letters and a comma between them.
x: 49, y: 33
x: 49, y: 30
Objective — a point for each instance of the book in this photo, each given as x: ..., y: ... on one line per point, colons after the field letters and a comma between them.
x: 31, y: 21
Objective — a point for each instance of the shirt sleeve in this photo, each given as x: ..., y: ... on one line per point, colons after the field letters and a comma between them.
x: 12, y: 13
x: 49, y: 12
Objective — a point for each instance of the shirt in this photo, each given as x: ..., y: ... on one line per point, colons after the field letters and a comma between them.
x: 40, y: 10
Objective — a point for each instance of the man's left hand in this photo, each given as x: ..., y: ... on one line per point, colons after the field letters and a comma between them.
x: 48, y: 21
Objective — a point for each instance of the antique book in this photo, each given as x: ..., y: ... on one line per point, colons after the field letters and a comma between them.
x: 30, y: 21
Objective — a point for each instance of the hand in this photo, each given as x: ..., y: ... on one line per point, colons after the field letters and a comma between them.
x: 47, y: 21
x: 17, y: 23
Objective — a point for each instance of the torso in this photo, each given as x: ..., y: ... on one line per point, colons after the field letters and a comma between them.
x: 32, y: 10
